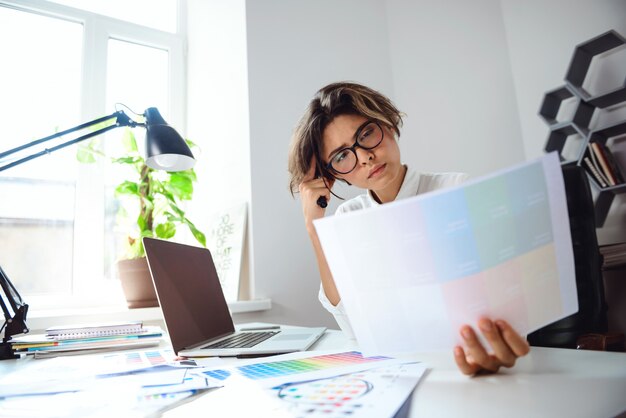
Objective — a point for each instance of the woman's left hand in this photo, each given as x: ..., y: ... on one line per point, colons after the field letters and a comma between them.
x: 506, y: 343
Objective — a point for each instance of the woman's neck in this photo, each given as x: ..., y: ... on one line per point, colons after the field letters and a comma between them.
x: 389, y: 193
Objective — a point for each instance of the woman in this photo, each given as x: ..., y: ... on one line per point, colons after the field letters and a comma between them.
x: 349, y: 132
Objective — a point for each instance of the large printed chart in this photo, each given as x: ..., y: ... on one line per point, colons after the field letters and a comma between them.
x: 412, y: 272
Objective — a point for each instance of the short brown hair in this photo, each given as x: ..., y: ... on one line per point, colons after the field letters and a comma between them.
x: 343, y: 98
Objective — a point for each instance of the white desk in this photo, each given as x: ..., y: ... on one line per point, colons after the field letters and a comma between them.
x: 546, y: 383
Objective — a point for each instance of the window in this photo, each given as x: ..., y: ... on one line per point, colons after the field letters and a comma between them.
x: 65, y: 66
x: 157, y: 14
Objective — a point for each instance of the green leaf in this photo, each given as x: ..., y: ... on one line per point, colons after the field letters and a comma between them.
x: 181, y: 186
x: 179, y: 211
x: 127, y: 160
x: 190, y: 143
x: 129, y: 142
x: 166, y: 230
x: 128, y: 187
x: 147, y: 200
x: 84, y: 155
x: 141, y: 222
x: 88, y: 151
x: 169, y: 196
x: 190, y: 174
x: 171, y: 217
x: 200, y: 237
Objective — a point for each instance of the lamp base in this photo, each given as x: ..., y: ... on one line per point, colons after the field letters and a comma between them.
x: 6, y: 352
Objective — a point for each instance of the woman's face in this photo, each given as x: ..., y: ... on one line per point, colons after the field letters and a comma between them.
x: 377, y: 168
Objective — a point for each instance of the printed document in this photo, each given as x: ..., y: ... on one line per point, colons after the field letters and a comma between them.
x: 411, y: 272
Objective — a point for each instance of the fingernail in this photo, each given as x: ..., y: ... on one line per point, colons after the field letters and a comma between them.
x: 466, y: 333
x: 458, y: 351
x: 486, y: 325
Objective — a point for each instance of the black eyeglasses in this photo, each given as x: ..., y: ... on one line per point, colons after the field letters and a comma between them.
x: 368, y: 136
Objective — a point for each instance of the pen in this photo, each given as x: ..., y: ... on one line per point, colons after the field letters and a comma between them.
x: 321, y: 202
x: 260, y: 327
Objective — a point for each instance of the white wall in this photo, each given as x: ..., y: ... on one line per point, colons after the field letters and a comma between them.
x: 542, y: 36
x: 294, y: 48
x: 452, y: 76
x: 218, y: 108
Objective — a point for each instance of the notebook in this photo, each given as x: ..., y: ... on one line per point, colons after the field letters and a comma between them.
x: 196, y: 315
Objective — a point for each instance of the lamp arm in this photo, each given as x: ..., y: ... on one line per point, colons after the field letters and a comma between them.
x: 121, y: 120
x: 15, y: 311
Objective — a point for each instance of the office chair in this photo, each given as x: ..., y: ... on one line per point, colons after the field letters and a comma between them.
x: 587, y: 328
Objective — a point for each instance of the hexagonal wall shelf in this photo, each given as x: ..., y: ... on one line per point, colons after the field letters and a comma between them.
x: 581, y: 61
x: 571, y: 138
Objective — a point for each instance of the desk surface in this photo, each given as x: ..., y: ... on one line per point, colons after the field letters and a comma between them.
x: 547, y: 382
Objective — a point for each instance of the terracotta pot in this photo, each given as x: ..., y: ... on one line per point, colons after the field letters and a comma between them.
x: 137, y: 283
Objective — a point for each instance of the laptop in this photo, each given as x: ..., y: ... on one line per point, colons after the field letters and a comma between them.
x: 196, y: 315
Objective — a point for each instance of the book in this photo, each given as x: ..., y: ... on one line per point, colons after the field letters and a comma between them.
x: 606, y: 169
x: 595, y: 173
x: 596, y: 165
x: 612, y: 163
x: 94, y: 330
x: 614, y: 255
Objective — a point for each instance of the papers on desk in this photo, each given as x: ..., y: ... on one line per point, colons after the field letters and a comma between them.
x: 307, y: 384
x: 141, y: 382
x: 411, y: 272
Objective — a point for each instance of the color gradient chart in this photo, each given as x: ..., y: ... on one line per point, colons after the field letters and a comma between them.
x: 140, y: 359
x: 497, y: 246
x: 303, y: 367
x: 378, y: 392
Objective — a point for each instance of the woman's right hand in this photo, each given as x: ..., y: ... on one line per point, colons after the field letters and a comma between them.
x: 311, y: 189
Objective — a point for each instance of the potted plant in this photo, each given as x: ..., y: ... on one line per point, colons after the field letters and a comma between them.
x: 157, y: 197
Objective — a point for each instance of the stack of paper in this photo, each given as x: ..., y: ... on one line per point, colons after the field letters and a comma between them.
x: 136, y: 383
x: 78, y: 339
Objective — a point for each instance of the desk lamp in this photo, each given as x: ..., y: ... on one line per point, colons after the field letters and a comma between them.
x: 165, y: 150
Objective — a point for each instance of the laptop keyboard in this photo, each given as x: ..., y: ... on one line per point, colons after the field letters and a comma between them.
x: 243, y: 340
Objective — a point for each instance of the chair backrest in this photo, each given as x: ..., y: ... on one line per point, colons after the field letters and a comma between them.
x: 591, y: 316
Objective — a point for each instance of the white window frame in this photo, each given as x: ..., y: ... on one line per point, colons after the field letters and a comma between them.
x: 88, y: 267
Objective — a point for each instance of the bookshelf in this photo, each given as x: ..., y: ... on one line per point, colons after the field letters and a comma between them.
x: 572, y: 138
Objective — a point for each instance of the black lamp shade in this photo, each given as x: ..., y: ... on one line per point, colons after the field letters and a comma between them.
x: 166, y: 149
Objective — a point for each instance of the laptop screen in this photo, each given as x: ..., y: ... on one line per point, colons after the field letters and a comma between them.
x: 189, y: 292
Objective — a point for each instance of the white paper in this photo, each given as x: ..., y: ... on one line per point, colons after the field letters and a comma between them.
x: 373, y: 393
x: 411, y: 272
x: 340, y: 384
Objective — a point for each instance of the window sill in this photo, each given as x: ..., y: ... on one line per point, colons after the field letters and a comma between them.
x: 39, y: 320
